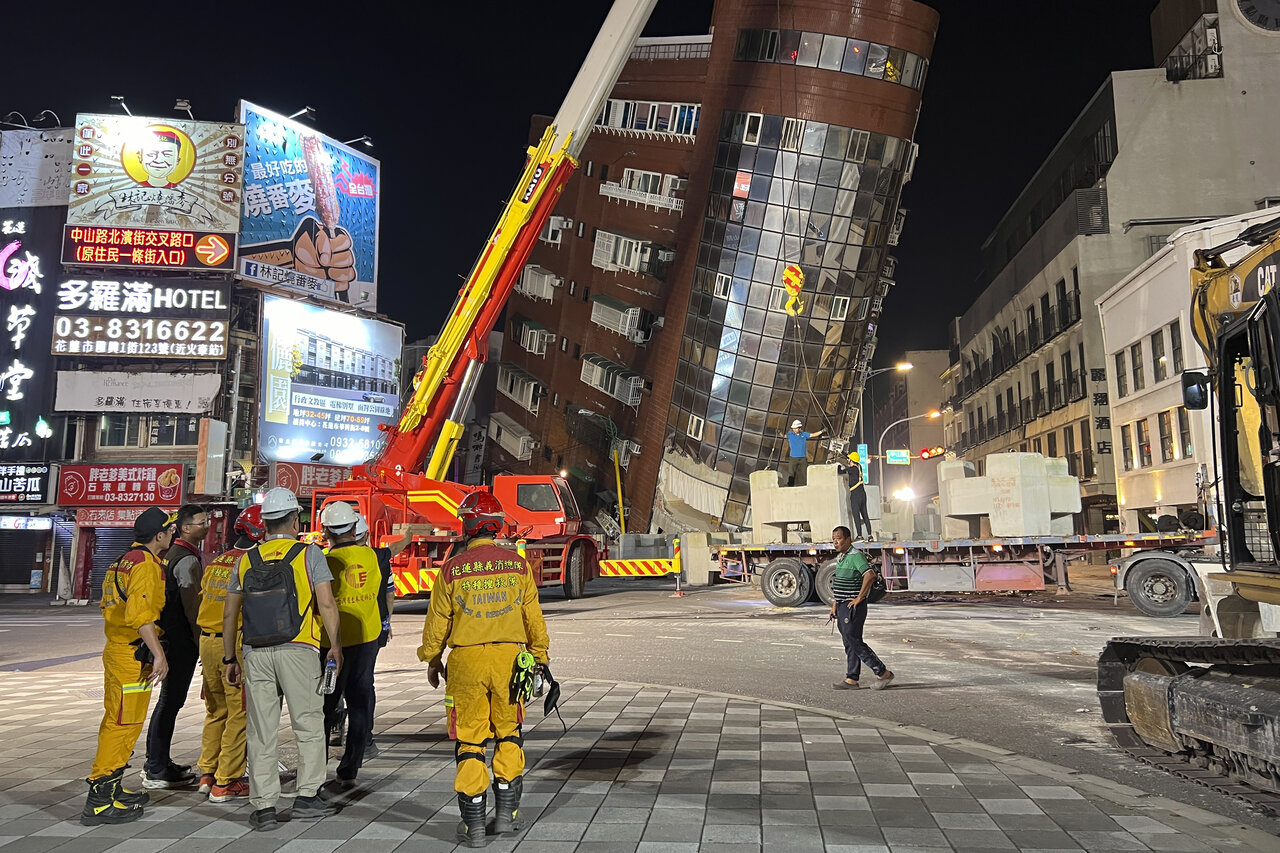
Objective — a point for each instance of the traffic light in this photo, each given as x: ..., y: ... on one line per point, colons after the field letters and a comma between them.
x: 932, y: 452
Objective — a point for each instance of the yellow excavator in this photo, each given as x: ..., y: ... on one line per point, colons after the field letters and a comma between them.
x: 1209, y: 708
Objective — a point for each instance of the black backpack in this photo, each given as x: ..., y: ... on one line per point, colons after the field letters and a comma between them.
x: 270, y: 599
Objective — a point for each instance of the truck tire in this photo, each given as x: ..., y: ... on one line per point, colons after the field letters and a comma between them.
x: 822, y: 582
x: 1158, y: 588
x: 787, y: 582
x: 573, y: 568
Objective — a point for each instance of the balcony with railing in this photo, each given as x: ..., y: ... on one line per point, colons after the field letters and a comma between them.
x: 1069, y: 310
x: 1025, y: 414
x: 1077, y: 388
x: 628, y: 195
x: 1199, y: 66
x: 1040, y: 404
x: 1057, y: 395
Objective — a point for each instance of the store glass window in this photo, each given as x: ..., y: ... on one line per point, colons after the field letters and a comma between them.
x: 1126, y: 446
x: 1166, y: 437
x: 121, y: 431
x: 1159, y: 362
x: 1144, y: 444
x: 1184, y: 433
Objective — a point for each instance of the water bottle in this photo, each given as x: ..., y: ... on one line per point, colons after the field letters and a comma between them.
x: 330, y: 681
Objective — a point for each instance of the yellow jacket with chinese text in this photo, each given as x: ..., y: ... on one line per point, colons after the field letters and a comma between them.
x: 132, y: 594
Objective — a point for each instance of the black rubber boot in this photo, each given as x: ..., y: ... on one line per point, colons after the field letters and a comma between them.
x: 103, y: 807
x: 471, y: 827
x: 506, y: 801
x: 129, y: 798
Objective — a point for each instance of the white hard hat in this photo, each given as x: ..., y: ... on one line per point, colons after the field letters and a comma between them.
x: 362, y: 526
x: 279, y: 502
x: 797, y: 423
x: 338, y: 516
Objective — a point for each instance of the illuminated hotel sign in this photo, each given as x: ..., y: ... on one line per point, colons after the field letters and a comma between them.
x: 156, y: 318
x: 147, y: 249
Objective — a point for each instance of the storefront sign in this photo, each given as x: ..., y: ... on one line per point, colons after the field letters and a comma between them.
x: 35, y: 167
x: 166, y: 318
x: 105, y: 484
x: 139, y: 249
x: 25, y: 522
x: 171, y: 393
x: 303, y: 478
x: 24, y: 484
x: 28, y: 263
x: 118, y: 516
x: 329, y: 380
x: 310, y: 210
x: 138, y: 172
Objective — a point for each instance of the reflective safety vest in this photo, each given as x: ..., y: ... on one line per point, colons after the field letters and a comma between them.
x: 132, y: 594
x: 213, y: 590
x: 357, y: 586
x: 275, y: 549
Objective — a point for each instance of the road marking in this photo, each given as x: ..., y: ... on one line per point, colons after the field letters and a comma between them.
x: 567, y: 632
x: 617, y: 635
x: 719, y: 640
x: 797, y: 645
x: 668, y: 638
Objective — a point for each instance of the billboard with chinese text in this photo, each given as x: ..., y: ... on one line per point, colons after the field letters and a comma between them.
x: 142, y: 318
x: 329, y: 379
x: 110, y: 391
x: 28, y: 268
x: 303, y: 478
x: 108, y: 484
x: 154, y: 174
x: 310, y: 213
x: 35, y: 167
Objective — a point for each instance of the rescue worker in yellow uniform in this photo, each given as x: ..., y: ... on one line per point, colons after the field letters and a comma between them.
x: 484, y: 606
x: 222, y: 743
x: 132, y: 661
x: 358, y: 584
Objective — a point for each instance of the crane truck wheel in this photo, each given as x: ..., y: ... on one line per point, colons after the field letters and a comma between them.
x: 1158, y: 588
x: 822, y: 582
x: 573, y: 567
x: 787, y: 582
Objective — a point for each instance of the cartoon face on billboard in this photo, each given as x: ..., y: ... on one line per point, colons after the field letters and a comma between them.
x: 159, y: 156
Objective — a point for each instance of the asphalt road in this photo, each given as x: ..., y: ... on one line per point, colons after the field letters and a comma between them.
x: 1017, y: 672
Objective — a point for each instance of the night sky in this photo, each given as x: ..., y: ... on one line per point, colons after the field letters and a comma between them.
x: 448, y: 102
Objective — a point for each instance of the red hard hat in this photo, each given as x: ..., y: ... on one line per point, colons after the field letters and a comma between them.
x: 481, y: 513
x: 249, y: 523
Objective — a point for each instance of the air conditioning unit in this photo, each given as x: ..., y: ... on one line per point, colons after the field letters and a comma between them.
x: 1213, y: 63
x: 1211, y: 38
x: 666, y: 255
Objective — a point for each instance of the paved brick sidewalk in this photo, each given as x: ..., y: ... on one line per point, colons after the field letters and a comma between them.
x: 642, y: 768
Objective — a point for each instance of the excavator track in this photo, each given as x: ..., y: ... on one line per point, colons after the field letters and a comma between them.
x: 1164, y: 676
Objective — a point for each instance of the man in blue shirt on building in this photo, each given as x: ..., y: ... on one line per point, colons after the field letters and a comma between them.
x: 797, y: 467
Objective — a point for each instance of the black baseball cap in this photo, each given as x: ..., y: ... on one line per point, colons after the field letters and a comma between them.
x: 151, y: 522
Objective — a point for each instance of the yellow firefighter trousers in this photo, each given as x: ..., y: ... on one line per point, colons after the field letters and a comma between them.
x: 222, y: 744
x: 118, y: 733
x: 479, y: 686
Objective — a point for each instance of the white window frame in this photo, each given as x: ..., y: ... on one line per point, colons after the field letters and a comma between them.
x: 839, y: 307
x: 611, y: 378
x: 858, y: 142
x: 792, y: 134
x: 779, y: 300
x: 724, y: 283
x: 554, y: 229
x: 517, y: 387
x: 535, y: 340
x: 624, y: 323
x: 614, y: 252
x: 538, y: 283
x: 750, y: 137
x: 642, y: 180
x: 695, y: 428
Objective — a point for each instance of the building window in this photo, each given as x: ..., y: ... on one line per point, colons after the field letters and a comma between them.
x: 149, y: 431
x: 1184, y: 433
x: 1135, y: 358
x: 1122, y: 380
x: 751, y: 130
x: 554, y: 228
x: 1175, y: 345
x: 695, y: 428
x: 522, y: 387
x: 1051, y: 444
x: 642, y: 181
x: 1144, y: 444
x: 1166, y: 436
x: 616, y: 380
x: 858, y: 141
x: 1069, y: 451
x: 723, y: 281
x: 792, y: 134
x: 839, y: 307
x: 1159, y: 363
x: 616, y: 252
x: 564, y: 344
x: 1126, y: 446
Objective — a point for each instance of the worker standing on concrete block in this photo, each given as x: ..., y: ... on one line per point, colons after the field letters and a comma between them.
x: 797, y: 468
x: 858, y: 496
x: 850, y: 588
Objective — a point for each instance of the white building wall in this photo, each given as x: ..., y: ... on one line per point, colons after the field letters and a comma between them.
x: 1148, y: 300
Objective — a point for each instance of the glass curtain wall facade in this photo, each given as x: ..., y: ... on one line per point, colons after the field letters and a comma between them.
x: 784, y: 192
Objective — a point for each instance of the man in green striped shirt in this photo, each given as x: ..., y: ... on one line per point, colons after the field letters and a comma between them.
x: 850, y: 588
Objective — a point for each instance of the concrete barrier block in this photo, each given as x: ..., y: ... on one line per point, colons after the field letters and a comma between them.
x: 823, y: 504
x: 698, y: 558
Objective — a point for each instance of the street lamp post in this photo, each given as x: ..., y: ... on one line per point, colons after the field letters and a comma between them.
x: 900, y: 367
x: 612, y: 429
x: 880, y: 444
